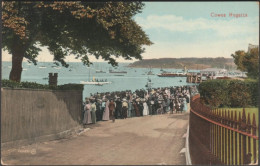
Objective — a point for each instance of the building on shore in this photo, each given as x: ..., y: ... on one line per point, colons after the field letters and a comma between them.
x: 236, y: 73
x: 213, y: 72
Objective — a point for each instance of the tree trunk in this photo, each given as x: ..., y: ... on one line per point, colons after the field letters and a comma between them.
x: 17, y: 59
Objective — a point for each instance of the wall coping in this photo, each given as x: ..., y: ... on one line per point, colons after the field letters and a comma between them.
x: 187, y: 148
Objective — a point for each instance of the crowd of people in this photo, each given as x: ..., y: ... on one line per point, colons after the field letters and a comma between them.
x: 127, y: 104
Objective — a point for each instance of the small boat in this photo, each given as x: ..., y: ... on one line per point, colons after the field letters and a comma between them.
x: 172, y: 75
x: 25, y: 69
x: 119, y: 75
x: 9, y: 66
x: 42, y: 67
x: 178, y: 74
x: 57, y: 67
x: 93, y: 83
x: 150, y: 73
x: 100, y: 71
x: 123, y: 72
x: 45, y: 78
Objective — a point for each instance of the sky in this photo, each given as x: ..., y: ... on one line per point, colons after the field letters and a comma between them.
x: 191, y: 29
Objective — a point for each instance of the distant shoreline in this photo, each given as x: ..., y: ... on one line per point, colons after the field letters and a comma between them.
x: 139, y: 67
x: 189, y: 63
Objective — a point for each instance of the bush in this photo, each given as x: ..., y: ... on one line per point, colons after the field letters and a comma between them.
x: 239, y: 94
x: 214, y: 92
x: 254, y: 89
x: 71, y: 87
x: 229, y: 93
x: 34, y: 85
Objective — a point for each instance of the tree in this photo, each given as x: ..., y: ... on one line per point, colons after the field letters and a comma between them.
x: 248, y: 62
x: 105, y: 30
x: 238, y: 59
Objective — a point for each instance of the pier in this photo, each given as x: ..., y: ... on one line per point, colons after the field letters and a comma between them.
x: 194, y: 78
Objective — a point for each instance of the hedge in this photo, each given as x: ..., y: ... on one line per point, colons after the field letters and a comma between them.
x: 34, y: 85
x: 229, y: 93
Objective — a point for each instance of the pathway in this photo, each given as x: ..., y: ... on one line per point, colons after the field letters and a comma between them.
x: 150, y: 140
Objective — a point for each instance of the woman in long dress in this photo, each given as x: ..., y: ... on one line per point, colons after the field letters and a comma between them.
x: 132, y: 109
x: 137, y: 113
x: 185, y: 108
x: 168, y: 102
x: 85, y: 116
x: 129, y: 110
x: 106, y: 112
x: 88, y: 109
x: 145, y: 111
x: 173, y: 106
x: 93, y: 112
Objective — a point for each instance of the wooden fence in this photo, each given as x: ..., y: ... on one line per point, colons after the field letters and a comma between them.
x: 222, y: 136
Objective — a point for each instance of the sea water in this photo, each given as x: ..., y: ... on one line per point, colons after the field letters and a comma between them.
x: 135, y: 78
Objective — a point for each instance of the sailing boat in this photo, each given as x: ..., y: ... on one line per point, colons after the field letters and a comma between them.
x: 42, y: 66
x: 161, y: 69
x: 150, y: 72
x: 117, y: 72
x: 70, y: 66
x: 100, y: 71
x: 94, y: 81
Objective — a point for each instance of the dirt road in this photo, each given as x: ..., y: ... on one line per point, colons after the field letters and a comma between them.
x: 150, y: 140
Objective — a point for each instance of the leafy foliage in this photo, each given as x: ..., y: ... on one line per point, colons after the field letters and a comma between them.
x: 239, y: 94
x: 214, y: 92
x: 253, y: 88
x: 106, y: 30
x: 34, y: 85
x: 248, y: 61
x: 229, y: 93
x: 70, y: 87
x: 79, y: 28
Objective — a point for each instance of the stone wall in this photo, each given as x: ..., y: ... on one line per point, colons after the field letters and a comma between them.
x: 29, y: 115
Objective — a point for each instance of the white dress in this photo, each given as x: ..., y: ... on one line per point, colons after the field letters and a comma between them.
x: 145, y: 111
x: 106, y: 112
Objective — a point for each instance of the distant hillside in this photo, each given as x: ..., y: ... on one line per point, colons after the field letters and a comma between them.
x: 190, y: 63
